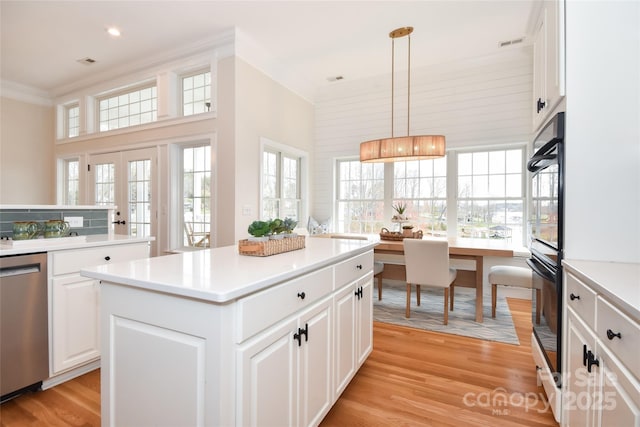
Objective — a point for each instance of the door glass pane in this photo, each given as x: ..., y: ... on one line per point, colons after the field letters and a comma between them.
x: 105, y: 184
x: 139, y: 198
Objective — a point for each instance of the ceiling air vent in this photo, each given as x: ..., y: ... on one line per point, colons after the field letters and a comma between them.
x: 511, y: 42
x: 87, y: 61
x: 335, y: 79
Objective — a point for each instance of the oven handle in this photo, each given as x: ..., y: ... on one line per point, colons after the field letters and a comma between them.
x: 545, y: 274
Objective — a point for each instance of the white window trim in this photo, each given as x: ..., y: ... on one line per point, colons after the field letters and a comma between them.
x: 269, y: 145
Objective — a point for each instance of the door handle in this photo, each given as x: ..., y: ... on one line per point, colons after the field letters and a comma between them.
x: 123, y: 222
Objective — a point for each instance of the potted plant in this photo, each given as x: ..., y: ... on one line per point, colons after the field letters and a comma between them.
x: 289, y: 224
x: 400, y: 209
x: 259, y: 231
x: 276, y: 226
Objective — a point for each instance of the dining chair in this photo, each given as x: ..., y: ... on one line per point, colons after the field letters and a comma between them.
x: 507, y: 275
x: 427, y: 264
x: 196, y: 239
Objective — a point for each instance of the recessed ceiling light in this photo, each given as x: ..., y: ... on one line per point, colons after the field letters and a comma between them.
x: 113, y: 31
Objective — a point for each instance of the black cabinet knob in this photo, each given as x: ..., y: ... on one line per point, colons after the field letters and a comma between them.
x: 301, y: 295
x: 574, y: 297
x: 359, y: 267
x: 611, y: 335
x: 107, y: 258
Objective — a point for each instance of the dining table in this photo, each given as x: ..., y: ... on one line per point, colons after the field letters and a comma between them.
x: 472, y: 249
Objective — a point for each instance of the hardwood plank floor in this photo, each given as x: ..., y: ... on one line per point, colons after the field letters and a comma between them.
x: 418, y: 378
x: 412, y: 378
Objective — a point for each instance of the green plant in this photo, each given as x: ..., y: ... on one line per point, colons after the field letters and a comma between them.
x: 400, y: 208
x: 289, y: 224
x: 259, y: 228
x: 276, y: 226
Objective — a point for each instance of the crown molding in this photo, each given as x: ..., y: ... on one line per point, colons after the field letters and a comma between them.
x: 24, y: 93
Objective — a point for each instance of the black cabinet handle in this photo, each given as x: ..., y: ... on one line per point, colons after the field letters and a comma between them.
x: 540, y: 104
x: 298, y: 337
x: 585, y: 355
x: 301, y: 295
x: 611, y: 335
x: 358, y: 292
x: 305, y: 331
x: 359, y: 266
x: 592, y: 361
x: 107, y: 258
x: 574, y: 297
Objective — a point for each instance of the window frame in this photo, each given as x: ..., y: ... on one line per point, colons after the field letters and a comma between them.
x: 152, y: 84
x: 67, y: 120
x: 208, y: 225
x: 302, y: 179
x: 207, y: 87
x: 451, y: 187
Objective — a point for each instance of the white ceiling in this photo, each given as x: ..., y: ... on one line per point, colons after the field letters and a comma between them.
x: 314, y: 40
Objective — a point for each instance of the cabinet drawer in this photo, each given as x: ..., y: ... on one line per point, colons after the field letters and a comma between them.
x: 353, y: 268
x: 581, y: 299
x: 610, y: 321
x: 71, y: 261
x: 261, y: 310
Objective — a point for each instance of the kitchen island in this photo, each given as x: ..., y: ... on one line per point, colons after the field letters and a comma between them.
x: 216, y: 338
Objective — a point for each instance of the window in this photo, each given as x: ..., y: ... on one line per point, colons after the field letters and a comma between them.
x: 128, y: 109
x: 488, y: 203
x: 490, y: 200
x: 71, y: 181
x: 196, y: 94
x: 360, y: 197
x: 422, y: 186
x: 196, y: 187
x: 105, y: 184
x: 73, y: 120
x: 280, y: 185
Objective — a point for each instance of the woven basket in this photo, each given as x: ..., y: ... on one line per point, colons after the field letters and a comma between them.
x: 385, y: 234
x: 270, y: 247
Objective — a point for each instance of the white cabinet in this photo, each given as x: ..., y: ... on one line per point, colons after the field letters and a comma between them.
x: 353, y: 329
x: 285, y: 372
x: 74, y: 308
x: 267, y: 357
x: 601, y: 367
x: 548, y: 60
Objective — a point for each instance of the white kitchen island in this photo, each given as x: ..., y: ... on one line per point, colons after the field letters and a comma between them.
x: 214, y: 338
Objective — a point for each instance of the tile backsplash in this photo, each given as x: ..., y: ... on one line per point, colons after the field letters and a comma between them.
x: 95, y: 221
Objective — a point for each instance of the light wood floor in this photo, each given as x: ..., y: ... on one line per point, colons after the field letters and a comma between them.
x: 412, y: 378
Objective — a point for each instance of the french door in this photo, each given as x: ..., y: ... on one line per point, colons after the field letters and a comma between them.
x: 127, y: 180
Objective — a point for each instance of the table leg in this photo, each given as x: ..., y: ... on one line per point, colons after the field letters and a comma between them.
x: 479, y: 293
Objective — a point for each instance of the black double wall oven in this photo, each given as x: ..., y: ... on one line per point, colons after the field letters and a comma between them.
x: 546, y: 231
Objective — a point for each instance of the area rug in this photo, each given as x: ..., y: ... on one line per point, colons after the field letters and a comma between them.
x: 429, y: 315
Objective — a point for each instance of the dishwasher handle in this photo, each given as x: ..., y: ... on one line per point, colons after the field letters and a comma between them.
x: 19, y: 270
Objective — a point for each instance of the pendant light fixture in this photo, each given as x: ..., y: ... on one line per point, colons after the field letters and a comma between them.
x: 408, y: 147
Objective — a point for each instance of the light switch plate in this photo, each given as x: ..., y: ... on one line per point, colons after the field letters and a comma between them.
x: 75, y: 221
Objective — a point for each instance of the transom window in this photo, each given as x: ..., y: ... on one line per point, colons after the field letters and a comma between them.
x: 73, y: 120
x: 196, y: 93
x: 129, y: 109
x: 280, y: 185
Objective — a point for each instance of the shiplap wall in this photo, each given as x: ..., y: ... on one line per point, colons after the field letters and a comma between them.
x: 481, y: 101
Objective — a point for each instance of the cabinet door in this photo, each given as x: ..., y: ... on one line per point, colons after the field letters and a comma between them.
x: 268, y: 377
x: 315, y: 358
x: 75, y: 322
x: 364, y: 311
x: 539, y: 71
x: 579, y: 383
x: 345, y: 337
x: 618, y: 403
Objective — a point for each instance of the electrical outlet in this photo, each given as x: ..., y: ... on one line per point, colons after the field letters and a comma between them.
x: 75, y: 221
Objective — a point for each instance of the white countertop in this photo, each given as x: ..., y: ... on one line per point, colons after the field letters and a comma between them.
x: 617, y: 281
x: 221, y: 275
x: 56, y: 244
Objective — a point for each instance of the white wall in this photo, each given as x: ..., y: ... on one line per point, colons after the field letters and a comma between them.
x: 27, y: 169
x: 479, y: 101
x: 603, y: 131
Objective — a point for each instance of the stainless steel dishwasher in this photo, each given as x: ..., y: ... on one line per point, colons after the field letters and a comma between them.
x: 24, y: 348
